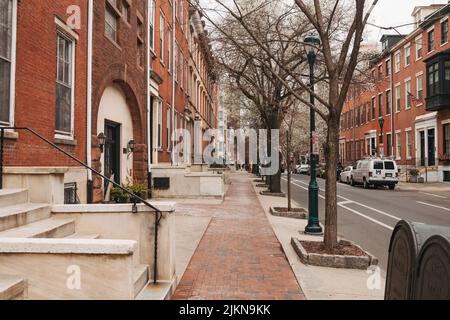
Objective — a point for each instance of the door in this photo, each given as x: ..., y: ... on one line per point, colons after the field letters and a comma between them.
x: 112, y: 151
x: 422, y: 148
x: 431, y: 147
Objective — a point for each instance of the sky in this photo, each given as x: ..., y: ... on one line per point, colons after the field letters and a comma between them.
x: 394, y: 13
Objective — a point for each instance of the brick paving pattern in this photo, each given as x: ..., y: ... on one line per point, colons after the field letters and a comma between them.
x: 239, y: 257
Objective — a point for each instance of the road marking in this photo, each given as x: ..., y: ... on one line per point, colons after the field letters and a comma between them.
x: 433, y: 195
x: 432, y: 205
x: 346, y: 202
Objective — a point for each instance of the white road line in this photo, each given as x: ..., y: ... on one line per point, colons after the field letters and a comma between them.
x: 434, y: 206
x: 346, y: 202
x: 433, y: 195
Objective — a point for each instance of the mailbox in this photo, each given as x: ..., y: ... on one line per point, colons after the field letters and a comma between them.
x: 406, y: 242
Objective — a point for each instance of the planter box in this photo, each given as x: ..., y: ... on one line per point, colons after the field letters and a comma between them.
x: 413, y: 179
x: 334, y: 261
x: 300, y: 213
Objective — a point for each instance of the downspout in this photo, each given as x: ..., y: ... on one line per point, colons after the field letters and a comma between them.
x: 174, y: 31
x: 90, y: 184
x: 393, y: 134
x: 149, y: 99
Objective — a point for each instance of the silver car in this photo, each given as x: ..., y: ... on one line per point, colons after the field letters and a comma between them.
x: 346, y: 175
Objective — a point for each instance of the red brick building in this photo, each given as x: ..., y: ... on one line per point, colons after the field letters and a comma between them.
x: 43, y: 84
x: 410, y: 92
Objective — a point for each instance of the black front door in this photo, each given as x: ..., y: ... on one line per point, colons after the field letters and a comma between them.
x: 422, y: 148
x: 112, y: 151
x: 431, y: 147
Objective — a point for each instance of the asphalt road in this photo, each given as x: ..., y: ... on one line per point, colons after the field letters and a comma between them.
x: 368, y: 217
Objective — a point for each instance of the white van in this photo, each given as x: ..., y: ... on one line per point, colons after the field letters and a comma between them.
x: 375, y: 172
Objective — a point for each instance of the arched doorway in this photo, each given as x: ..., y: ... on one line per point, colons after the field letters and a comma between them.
x: 114, y: 120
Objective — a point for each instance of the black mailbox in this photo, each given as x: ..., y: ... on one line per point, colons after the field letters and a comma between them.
x: 161, y: 183
x: 433, y: 271
x: 406, y: 241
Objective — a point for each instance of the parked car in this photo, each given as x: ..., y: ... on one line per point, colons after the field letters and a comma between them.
x: 346, y: 175
x: 302, y: 169
x: 375, y: 172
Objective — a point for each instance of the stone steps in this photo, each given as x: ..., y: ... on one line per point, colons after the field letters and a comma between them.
x: 12, y: 287
x: 141, y: 278
x: 83, y: 236
x: 11, y: 197
x: 21, y: 214
x: 48, y: 228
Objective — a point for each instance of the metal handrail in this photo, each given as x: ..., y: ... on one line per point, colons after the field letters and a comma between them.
x: 135, y: 197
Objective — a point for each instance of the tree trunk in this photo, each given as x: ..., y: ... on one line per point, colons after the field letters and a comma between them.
x: 332, y: 157
x: 275, y: 182
x: 288, y: 165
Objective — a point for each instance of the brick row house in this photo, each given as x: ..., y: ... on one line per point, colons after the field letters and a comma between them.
x: 411, y: 94
x: 106, y: 81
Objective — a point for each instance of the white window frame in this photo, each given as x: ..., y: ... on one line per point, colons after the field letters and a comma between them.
x: 398, y: 61
x: 388, y: 63
x: 420, y: 74
x: 162, y: 25
x: 440, y: 24
x: 152, y: 8
x: 160, y: 124
x: 434, y: 39
x: 398, y: 144
x: 407, y: 80
x: 168, y: 127
x: 389, y: 94
x: 418, y: 45
x: 59, y: 134
x: 409, y: 152
x: 407, y: 49
x: 12, y: 80
x: 398, y: 94
x: 175, y: 61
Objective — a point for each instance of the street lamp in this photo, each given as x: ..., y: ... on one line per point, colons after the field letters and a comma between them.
x: 312, y: 44
x: 381, y: 123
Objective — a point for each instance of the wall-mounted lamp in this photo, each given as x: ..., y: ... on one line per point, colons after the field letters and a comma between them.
x: 101, y: 140
x: 131, y: 146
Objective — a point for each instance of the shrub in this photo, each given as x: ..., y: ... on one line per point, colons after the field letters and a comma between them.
x: 414, y: 172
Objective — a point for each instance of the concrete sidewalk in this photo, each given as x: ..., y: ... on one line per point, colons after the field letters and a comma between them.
x: 319, y: 283
x: 239, y: 256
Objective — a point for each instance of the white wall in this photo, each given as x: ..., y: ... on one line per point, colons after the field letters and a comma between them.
x: 113, y: 107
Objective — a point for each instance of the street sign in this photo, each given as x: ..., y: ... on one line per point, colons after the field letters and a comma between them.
x: 315, y: 143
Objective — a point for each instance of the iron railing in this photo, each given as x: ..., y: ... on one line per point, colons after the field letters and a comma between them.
x: 135, y: 197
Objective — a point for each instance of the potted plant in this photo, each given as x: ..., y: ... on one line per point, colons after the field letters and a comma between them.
x: 138, y: 189
x: 119, y: 196
x: 414, y: 173
x: 445, y: 159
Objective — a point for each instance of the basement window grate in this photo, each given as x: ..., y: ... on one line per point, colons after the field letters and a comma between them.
x: 71, y: 194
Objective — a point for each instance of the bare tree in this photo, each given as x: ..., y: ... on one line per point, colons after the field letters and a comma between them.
x: 340, y: 24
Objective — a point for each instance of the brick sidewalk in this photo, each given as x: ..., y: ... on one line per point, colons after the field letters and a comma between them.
x: 239, y: 257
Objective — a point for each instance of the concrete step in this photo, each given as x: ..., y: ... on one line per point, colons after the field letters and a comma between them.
x: 140, y: 278
x: 12, y: 287
x: 11, y: 197
x: 22, y: 214
x: 160, y: 291
x: 83, y: 236
x: 48, y: 228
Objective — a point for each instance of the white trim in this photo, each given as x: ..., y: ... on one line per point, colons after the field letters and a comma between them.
x: 65, y: 28
x: 418, y: 39
x: 408, y: 129
x: 399, y: 131
x: 445, y: 121
x: 444, y: 19
x: 430, y: 29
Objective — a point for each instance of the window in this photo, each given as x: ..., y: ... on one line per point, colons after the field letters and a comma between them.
x: 140, y: 43
x: 168, y: 127
x: 181, y: 68
x: 388, y: 102
x: 397, y: 98
x: 162, y: 24
x: 419, y: 46
x: 419, y: 86
x: 398, y: 145
x: 433, y: 79
x: 175, y: 61
x: 169, y: 50
x: 126, y: 12
x: 160, y: 122
x: 446, y: 138
x: 64, y: 85
x: 408, y: 94
x: 182, y: 14
x: 389, y: 144
x: 397, y: 62
x: 444, y: 32
x: 152, y: 24
x: 380, y: 72
x: 407, y: 55
x: 388, y: 68
x: 374, y: 102
x: 408, y: 145
x: 431, y: 40
x: 380, y: 105
x: 6, y: 59
x: 368, y: 112
x: 111, y: 20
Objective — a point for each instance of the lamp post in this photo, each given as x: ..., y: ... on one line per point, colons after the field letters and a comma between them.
x: 381, y: 123
x: 312, y: 44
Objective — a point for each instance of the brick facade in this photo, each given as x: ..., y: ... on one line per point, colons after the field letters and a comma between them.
x: 408, y: 123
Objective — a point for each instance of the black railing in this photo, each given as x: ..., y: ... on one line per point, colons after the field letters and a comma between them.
x: 135, y: 197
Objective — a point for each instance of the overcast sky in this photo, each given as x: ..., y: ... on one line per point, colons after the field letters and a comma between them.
x: 396, y: 12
